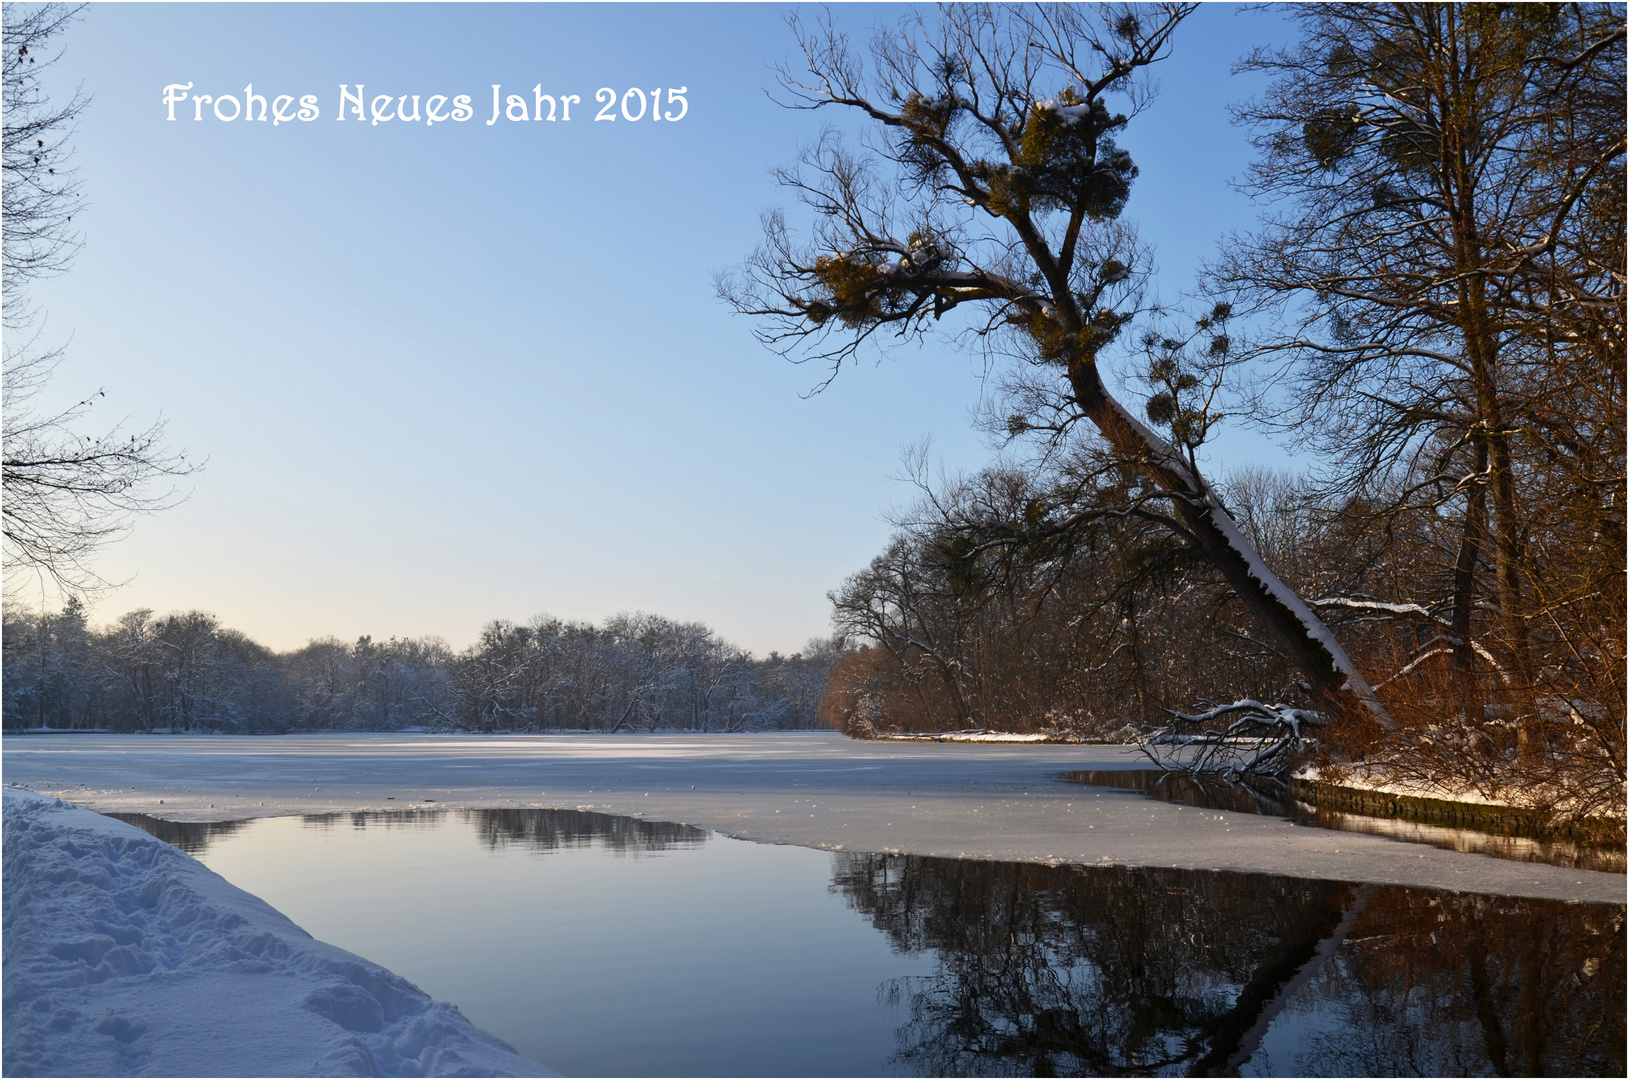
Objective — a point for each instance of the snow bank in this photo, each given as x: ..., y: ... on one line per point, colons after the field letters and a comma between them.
x: 1376, y: 778
x: 124, y: 956
x: 1382, y: 779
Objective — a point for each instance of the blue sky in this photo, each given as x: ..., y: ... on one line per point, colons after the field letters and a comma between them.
x: 448, y: 374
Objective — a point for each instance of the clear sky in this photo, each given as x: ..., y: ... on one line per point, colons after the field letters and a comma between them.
x: 453, y: 373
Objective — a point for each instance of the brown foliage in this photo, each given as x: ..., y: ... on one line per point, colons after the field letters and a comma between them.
x: 1576, y: 772
x: 1010, y: 602
x: 868, y: 694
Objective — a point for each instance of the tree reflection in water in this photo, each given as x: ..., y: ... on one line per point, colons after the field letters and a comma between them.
x: 540, y: 831
x: 191, y: 837
x: 550, y: 830
x: 1102, y: 971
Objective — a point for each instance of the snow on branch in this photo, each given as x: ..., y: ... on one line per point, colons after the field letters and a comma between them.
x: 1245, y: 737
x: 1354, y: 604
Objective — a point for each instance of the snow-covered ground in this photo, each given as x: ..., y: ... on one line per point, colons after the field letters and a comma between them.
x: 124, y: 957
x: 817, y: 789
x: 1388, y: 780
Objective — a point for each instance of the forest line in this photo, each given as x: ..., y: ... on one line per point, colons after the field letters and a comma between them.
x: 186, y: 672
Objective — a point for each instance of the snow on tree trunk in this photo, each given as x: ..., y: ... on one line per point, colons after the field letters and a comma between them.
x: 1310, y: 644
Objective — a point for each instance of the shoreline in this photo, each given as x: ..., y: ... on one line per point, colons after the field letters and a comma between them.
x: 1499, y: 819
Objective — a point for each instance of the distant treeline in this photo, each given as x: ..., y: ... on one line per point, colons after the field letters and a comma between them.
x: 186, y: 672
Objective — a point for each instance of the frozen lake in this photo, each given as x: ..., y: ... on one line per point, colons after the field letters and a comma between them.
x: 605, y: 945
x: 813, y: 789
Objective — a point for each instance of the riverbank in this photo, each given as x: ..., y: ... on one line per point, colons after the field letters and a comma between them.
x: 1492, y: 817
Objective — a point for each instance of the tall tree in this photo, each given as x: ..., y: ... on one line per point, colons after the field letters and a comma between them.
x: 994, y: 189
x: 1448, y: 265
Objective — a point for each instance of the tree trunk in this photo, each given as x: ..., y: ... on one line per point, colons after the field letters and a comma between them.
x: 1472, y: 538
x: 1307, y: 641
x: 1482, y: 352
x: 1458, y: 183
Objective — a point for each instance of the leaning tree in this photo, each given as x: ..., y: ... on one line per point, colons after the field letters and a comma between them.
x: 987, y: 183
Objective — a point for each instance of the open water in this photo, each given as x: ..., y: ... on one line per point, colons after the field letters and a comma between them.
x: 602, y: 945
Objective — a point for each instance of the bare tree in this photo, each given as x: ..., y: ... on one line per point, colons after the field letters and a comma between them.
x: 66, y: 493
x: 41, y: 193
x: 1447, y: 256
x: 990, y: 185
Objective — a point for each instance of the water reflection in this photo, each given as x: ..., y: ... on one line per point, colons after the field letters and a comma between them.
x: 550, y: 830
x: 1111, y: 971
x: 385, y: 819
x: 540, y: 831
x: 191, y: 837
x: 1266, y: 797
x: 1250, y: 796
x: 955, y: 967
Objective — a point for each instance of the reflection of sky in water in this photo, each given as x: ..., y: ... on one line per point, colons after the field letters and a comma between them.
x: 608, y: 945
x: 595, y: 945
x: 1282, y: 1048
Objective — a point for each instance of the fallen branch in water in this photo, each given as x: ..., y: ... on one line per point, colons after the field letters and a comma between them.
x: 1243, y: 738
